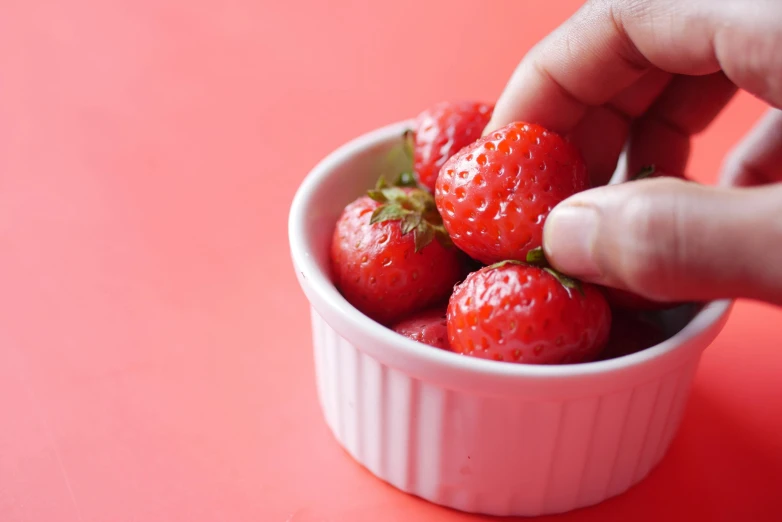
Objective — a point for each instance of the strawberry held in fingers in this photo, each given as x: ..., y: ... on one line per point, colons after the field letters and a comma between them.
x: 495, y: 194
x: 520, y: 313
x: 390, y: 254
x: 441, y: 131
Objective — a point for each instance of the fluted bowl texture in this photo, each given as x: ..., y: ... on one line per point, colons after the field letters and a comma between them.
x: 476, y: 435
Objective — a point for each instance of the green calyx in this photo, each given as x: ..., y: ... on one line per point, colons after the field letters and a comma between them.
x: 406, y: 201
x: 408, y: 143
x: 505, y: 263
x: 414, y: 208
x: 400, y: 158
x: 536, y: 257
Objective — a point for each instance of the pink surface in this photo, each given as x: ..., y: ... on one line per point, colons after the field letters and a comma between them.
x: 155, y: 359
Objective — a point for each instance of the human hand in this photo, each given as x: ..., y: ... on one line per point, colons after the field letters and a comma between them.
x: 643, y: 76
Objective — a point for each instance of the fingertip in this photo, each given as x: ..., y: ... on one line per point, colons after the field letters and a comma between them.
x: 569, y: 239
x: 490, y: 127
x: 505, y: 112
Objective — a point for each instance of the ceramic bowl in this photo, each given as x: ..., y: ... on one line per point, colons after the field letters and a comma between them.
x: 475, y: 435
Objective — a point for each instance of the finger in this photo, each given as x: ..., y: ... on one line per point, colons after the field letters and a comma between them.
x: 605, y: 47
x: 758, y: 158
x: 602, y: 132
x: 661, y: 137
x: 600, y: 137
x: 635, y: 100
x: 670, y: 240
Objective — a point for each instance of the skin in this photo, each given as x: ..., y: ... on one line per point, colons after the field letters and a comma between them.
x: 643, y: 76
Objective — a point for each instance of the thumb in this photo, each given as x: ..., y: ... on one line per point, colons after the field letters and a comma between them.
x: 672, y: 240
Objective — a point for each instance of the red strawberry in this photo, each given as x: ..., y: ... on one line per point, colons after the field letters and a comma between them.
x: 428, y: 327
x: 441, y: 131
x: 384, y: 258
x: 495, y: 194
x: 521, y: 313
x: 631, y: 333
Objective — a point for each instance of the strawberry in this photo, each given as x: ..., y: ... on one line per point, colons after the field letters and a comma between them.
x: 495, y: 194
x: 518, y: 312
x: 428, y: 327
x: 390, y: 254
x: 441, y: 131
x: 631, y: 333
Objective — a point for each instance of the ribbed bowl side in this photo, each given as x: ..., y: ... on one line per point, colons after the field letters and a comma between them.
x: 495, y: 455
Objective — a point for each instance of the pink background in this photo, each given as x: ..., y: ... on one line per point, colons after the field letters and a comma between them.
x: 154, y: 346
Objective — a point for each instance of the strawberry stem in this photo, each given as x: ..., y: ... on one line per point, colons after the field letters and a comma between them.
x: 406, y: 179
x: 537, y: 258
x: 413, y: 207
x: 644, y: 173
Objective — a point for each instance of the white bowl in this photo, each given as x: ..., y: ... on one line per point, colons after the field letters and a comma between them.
x: 477, y: 435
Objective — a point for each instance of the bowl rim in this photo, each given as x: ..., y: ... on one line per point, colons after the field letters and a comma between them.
x: 316, y: 280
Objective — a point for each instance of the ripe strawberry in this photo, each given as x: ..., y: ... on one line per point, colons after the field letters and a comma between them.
x: 631, y: 333
x: 441, y: 131
x: 383, y: 254
x: 518, y: 312
x: 495, y: 194
x: 428, y: 327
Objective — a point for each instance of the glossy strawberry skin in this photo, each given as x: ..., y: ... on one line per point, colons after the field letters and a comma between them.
x: 427, y: 327
x: 443, y: 130
x: 377, y: 269
x: 495, y: 194
x: 522, y: 314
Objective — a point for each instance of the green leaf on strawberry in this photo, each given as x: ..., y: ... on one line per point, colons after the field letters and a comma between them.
x: 383, y: 257
x: 414, y: 208
x: 537, y: 258
x: 387, y: 213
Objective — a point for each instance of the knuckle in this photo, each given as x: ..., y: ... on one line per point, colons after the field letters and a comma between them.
x: 748, y: 51
x: 653, y: 247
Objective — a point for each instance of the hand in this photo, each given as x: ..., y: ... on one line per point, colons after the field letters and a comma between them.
x: 643, y: 76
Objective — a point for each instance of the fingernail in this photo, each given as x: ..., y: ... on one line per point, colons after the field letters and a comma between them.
x: 569, y: 239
